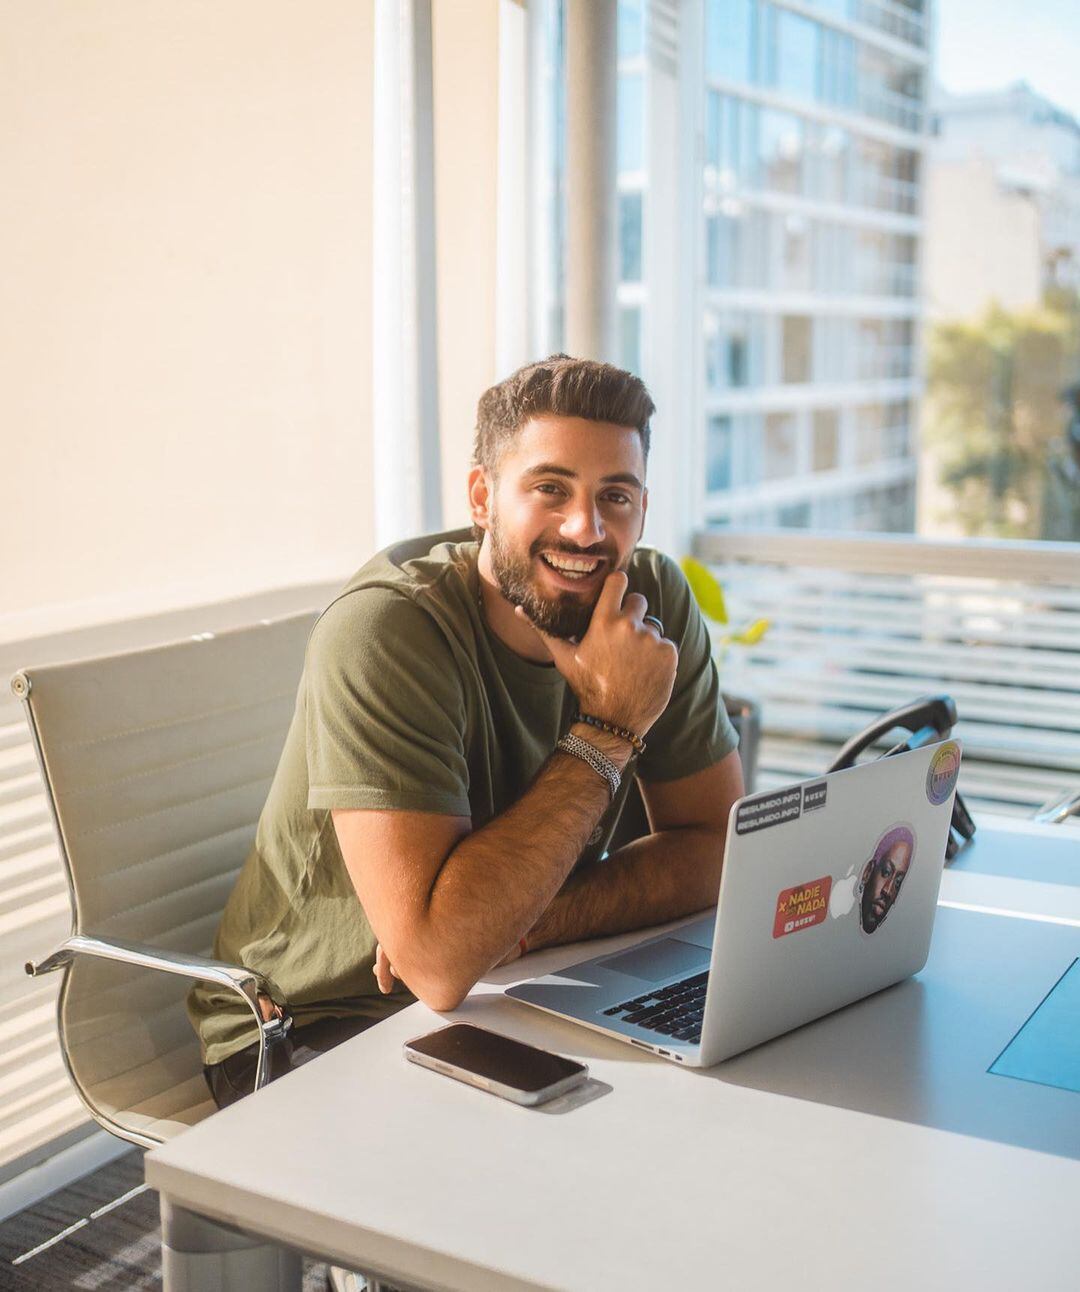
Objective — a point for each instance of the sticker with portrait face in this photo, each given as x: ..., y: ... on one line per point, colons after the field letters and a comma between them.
x: 881, y: 880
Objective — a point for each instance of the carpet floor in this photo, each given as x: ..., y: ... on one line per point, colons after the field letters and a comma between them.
x: 100, y: 1234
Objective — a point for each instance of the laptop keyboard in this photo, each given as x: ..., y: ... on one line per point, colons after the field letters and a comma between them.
x: 675, y: 1011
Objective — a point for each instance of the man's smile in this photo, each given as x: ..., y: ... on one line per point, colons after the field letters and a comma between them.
x: 576, y: 569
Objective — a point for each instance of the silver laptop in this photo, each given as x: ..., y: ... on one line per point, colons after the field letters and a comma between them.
x: 828, y: 894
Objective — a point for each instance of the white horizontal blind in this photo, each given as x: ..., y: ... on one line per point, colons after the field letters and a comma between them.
x: 37, y: 1102
x: 861, y: 625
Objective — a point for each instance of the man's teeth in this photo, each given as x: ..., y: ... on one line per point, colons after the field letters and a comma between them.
x: 573, y: 569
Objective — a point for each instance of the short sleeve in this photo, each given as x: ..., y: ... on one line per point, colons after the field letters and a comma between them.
x: 385, y: 709
x: 694, y: 731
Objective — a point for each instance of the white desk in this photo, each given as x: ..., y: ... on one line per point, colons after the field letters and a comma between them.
x: 783, y: 1167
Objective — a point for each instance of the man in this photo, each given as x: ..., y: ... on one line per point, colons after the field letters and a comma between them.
x: 468, y: 724
x: 883, y: 877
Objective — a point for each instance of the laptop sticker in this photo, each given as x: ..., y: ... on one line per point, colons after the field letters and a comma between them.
x: 942, y: 773
x: 874, y: 887
x: 768, y: 809
x: 813, y: 796
x: 802, y: 907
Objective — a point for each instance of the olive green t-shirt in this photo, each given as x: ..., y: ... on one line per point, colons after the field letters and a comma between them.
x: 409, y: 701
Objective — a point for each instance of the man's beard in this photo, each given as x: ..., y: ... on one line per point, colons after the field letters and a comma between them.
x: 870, y: 918
x: 566, y: 616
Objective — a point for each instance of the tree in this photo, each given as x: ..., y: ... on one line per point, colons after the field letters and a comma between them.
x: 994, y: 410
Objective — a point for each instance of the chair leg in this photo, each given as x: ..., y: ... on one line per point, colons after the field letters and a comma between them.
x: 201, y: 1255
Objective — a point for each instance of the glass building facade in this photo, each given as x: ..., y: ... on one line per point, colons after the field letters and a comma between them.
x: 808, y: 138
x: 813, y: 123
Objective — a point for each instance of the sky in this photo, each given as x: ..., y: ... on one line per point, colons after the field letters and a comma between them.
x: 988, y: 44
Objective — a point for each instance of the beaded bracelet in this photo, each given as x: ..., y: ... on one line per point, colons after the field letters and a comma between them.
x: 624, y: 733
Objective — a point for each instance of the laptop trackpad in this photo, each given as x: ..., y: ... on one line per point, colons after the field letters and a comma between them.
x: 658, y: 960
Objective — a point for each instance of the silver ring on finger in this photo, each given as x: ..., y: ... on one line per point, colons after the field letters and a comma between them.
x: 652, y: 619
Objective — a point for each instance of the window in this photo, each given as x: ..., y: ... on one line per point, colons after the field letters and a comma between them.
x: 718, y: 444
x: 630, y: 237
x: 869, y: 425
x: 734, y: 348
x: 630, y: 28
x: 780, y: 151
x: 896, y: 431
x: 832, y: 147
x: 797, y: 334
x: 794, y: 69
x: 630, y: 128
x: 889, y: 89
x: 884, y: 349
x: 737, y: 246
x: 832, y: 359
x: 838, y: 79
x: 729, y: 40
x: 794, y: 516
x: 796, y: 231
x: 721, y: 250
x: 780, y: 457
x: 825, y: 450
x: 630, y: 338
x: 749, y: 449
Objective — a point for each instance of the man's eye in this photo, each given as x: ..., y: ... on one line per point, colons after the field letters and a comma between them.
x: 548, y: 488
x: 886, y: 871
x: 621, y: 498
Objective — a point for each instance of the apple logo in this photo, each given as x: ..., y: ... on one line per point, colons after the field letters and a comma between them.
x: 843, y: 894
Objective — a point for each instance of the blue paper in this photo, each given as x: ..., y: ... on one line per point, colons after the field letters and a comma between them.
x: 1047, y: 1047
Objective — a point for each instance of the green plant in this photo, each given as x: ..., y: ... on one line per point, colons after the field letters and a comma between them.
x: 709, y: 595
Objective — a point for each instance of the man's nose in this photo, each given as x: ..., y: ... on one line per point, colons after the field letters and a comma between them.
x: 583, y: 524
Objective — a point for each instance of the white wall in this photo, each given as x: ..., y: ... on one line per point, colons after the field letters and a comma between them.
x: 981, y: 242
x: 185, y: 356
x: 465, y: 53
x: 186, y: 334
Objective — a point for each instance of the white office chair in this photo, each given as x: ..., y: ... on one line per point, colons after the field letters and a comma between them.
x: 156, y: 765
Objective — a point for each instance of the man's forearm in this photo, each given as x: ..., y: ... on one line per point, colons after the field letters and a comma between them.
x: 657, y: 878
x: 494, y: 886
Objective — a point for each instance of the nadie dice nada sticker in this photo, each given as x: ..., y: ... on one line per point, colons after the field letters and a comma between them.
x: 802, y: 907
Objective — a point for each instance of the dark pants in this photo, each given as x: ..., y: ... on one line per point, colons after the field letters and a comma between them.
x: 234, y: 1077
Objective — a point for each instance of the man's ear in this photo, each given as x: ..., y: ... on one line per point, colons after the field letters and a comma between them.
x: 481, y: 490
x: 644, y: 509
x: 868, y: 870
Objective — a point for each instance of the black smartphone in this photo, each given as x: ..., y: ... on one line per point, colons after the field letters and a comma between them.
x: 484, y: 1059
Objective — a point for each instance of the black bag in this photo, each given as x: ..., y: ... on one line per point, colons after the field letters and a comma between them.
x: 928, y: 719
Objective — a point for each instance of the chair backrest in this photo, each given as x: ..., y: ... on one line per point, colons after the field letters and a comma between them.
x: 157, y: 763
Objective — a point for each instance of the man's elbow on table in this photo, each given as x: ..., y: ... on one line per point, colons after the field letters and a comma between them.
x: 442, y: 998
x: 440, y: 984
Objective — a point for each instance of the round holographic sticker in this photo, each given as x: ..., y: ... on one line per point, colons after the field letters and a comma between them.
x: 942, y: 773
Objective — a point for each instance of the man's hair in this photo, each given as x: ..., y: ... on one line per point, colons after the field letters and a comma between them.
x: 559, y: 387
